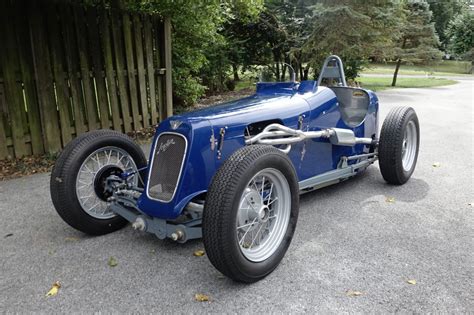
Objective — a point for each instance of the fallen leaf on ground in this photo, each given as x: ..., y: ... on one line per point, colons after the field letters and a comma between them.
x: 353, y: 293
x: 390, y: 199
x: 201, y: 297
x: 18, y: 167
x: 71, y: 239
x: 199, y: 253
x: 54, y: 290
x: 412, y: 281
x: 436, y: 164
x: 112, y: 262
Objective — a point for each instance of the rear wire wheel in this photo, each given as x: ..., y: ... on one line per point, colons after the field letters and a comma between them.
x: 399, y: 144
x: 250, y: 213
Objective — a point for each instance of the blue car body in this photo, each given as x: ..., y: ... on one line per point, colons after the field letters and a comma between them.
x: 305, y: 106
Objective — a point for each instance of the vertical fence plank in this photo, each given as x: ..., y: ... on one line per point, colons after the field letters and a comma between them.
x: 120, y: 70
x: 67, y: 70
x: 137, y: 26
x: 148, y: 39
x: 157, y: 30
x: 62, y: 89
x: 168, y: 74
x: 27, y: 71
x: 132, y: 84
x: 109, y: 70
x: 44, y: 79
x: 87, y: 84
x: 12, y: 88
x: 73, y: 69
x: 94, y: 42
x: 3, y: 135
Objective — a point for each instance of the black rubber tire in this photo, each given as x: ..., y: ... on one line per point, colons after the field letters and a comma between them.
x: 66, y: 168
x: 220, y: 211
x: 391, y: 143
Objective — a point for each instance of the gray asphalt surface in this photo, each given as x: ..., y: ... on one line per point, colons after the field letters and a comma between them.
x: 348, y: 238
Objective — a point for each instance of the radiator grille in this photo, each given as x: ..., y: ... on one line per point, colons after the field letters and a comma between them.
x: 166, y: 166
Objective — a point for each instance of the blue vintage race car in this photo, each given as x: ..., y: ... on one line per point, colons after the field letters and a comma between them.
x: 232, y: 174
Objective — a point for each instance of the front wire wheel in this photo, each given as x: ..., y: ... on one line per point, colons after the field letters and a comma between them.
x: 263, y: 214
x: 250, y: 213
x: 92, y: 176
x: 78, y: 180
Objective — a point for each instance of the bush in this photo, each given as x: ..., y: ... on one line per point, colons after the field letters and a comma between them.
x: 461, y: 34
x: 230, y: 84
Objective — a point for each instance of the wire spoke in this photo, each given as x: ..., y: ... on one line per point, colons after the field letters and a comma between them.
x: 85, y: 197
x: 268, y: 198
x: 93, y: 207
x: 276, y: 198
x: 259, y: 229
x: 245, y: 225
x: 88, y: 169
x: 108, y: 156
x: 255, y: 185
x: 246, y: 232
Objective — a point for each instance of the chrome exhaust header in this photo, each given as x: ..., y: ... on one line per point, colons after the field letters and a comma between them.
x: 276, y: 134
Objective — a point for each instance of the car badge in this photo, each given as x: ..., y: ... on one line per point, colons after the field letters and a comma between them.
x: 175, y: 124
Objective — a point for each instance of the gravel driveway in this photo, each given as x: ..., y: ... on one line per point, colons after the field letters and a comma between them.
x: 348, y: 238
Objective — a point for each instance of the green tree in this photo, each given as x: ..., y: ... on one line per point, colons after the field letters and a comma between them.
x: 251, y: 41
x: 461, y: 36
x: 354, y: 30
x: 233, y: 49
x: 295, y: 17
x: 198, y: 44
x: 418, y: 40
x: 443, y: 13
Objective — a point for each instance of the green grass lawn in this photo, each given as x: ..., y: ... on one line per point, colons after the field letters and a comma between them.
x: 383, y: 83
x: 377, y: 83
x: 442, y: 68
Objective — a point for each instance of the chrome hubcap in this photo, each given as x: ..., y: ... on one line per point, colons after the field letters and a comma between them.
x: 409, y: 146
x: 90, y: 181
x: 263, y: 215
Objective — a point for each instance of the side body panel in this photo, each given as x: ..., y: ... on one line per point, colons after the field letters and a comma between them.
x: 215, y: 133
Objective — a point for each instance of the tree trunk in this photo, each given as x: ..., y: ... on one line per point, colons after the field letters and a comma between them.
x: 399, y: 63
x: 394, y: 81
x: 278, y: 75
x: 306, y: 72
x: 235, y: 71
x: 296, y: 68
x: 117, y: 4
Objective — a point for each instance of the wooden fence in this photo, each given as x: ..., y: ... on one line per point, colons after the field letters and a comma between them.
x: 67, y: 69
